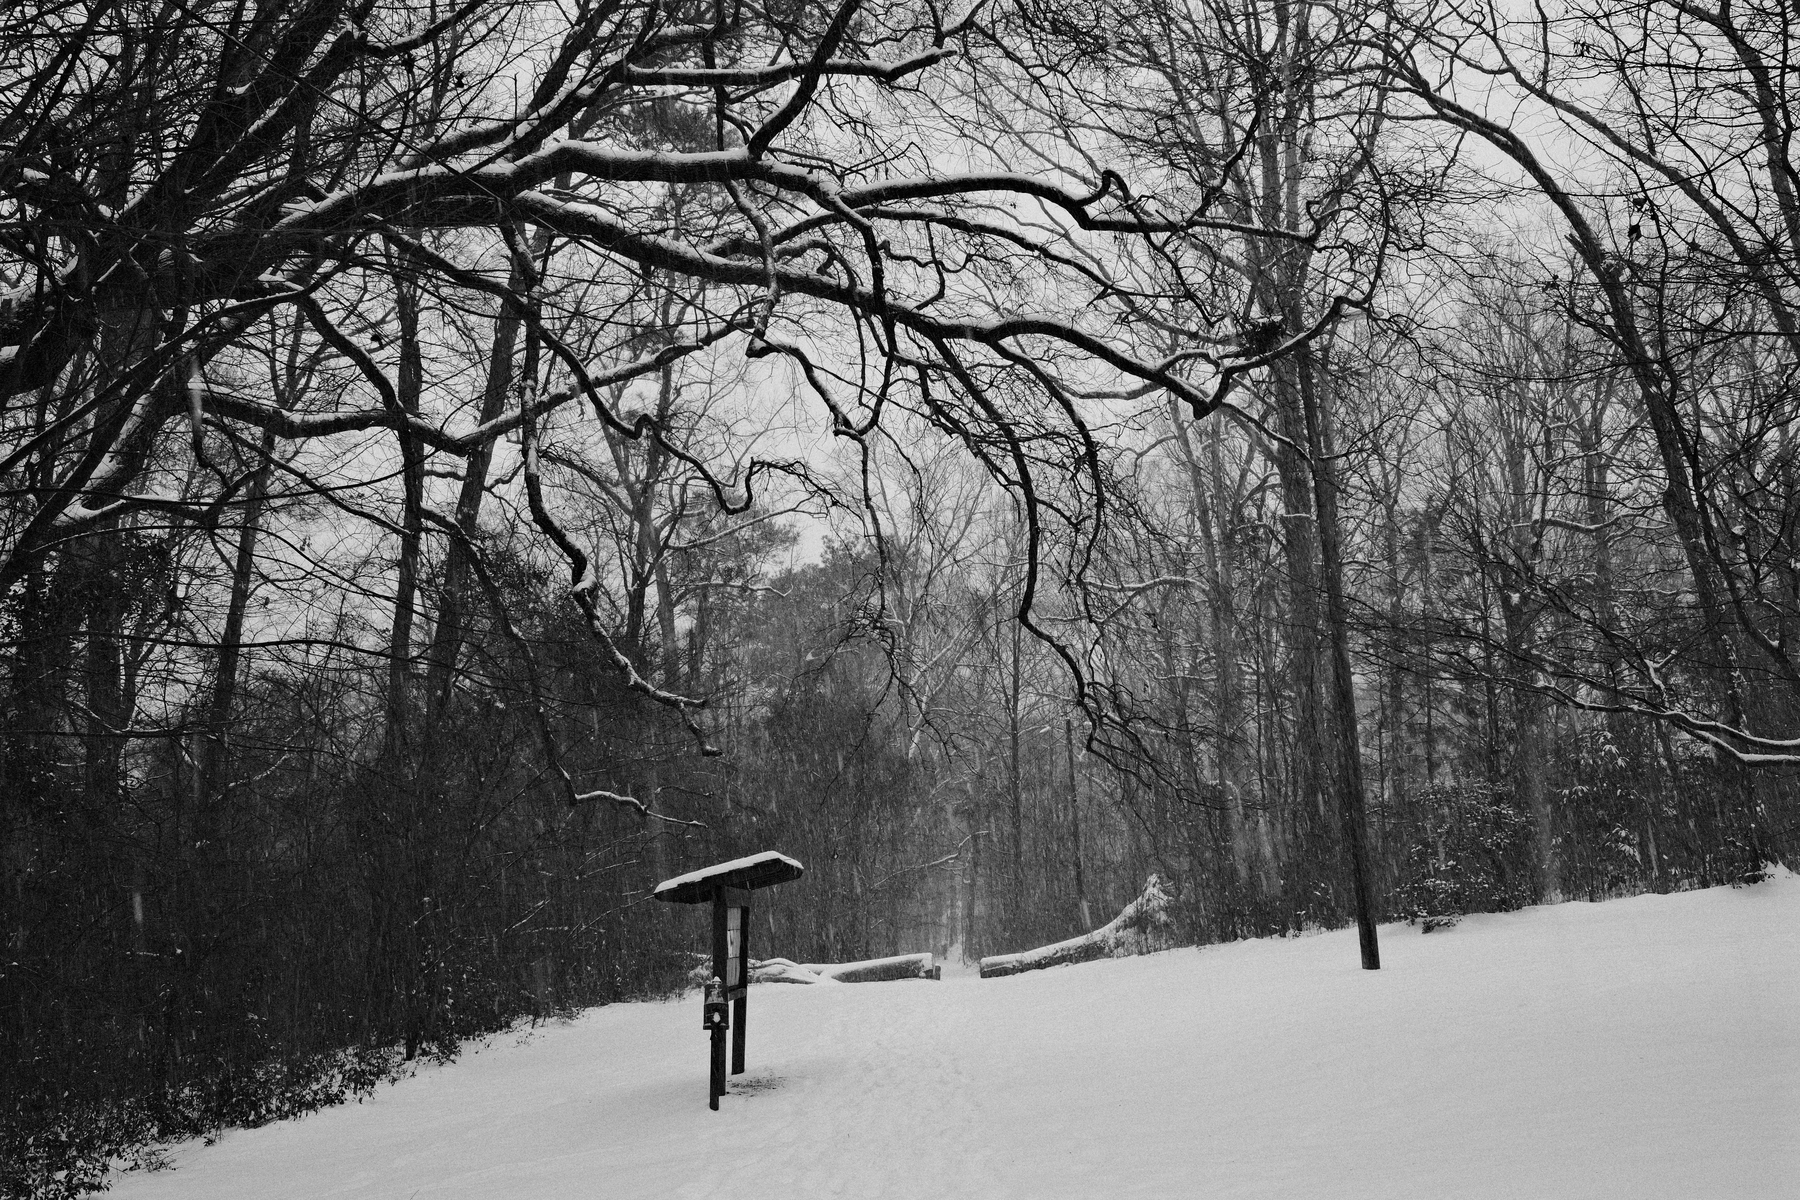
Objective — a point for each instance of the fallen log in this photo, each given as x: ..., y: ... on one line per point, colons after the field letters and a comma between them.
x: 1142, y: 927
x: 782, y: 970
x: 873, y: 970
x: 878, y: 970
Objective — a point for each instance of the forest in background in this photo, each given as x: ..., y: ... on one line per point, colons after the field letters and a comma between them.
x: 460, y: 465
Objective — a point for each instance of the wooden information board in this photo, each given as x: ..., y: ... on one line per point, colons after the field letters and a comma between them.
x: 727, y: 887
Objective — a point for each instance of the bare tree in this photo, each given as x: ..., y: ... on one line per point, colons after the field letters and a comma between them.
x: 1679, y: 273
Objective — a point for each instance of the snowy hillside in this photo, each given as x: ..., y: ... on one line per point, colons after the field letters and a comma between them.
x: 1641, y: 1048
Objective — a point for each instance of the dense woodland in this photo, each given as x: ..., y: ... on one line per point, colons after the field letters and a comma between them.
x: 462, y: 463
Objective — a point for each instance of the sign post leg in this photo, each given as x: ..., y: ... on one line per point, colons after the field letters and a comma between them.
x: 716, y: 1083
x: 741, y: 1005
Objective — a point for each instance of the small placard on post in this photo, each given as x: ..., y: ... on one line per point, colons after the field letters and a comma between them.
x: 734, y: 946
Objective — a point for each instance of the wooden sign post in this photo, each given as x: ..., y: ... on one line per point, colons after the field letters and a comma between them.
x: 727, y: 888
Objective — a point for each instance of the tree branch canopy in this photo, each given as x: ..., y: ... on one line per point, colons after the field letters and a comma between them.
x: 657, y: 147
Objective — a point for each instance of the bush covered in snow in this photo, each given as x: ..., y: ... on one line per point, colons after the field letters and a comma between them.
x: 66, y: 1150
x: 1470, y: 853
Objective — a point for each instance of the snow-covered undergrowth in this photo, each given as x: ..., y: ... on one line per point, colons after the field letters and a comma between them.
x: 1641, y: 1048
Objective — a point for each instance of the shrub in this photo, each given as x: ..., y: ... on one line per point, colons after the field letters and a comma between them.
x: 1470, y: 851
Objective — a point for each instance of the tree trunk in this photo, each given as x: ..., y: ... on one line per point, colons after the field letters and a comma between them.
x: 1355, y: 830
x: 1081, y: 897
x: 213, y: 757
x: 453, y: 606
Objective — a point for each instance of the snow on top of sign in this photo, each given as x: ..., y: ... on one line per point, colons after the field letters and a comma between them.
x: 736, y: 864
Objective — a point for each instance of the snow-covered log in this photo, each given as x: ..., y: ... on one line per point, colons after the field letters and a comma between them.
x: 783, y: 970
x: 762, y: 970
x: 1143, y: 926
x: 878, y: 970
x: 873, y: 970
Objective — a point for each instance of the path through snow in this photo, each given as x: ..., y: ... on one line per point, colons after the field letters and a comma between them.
x: 1644, y: 1048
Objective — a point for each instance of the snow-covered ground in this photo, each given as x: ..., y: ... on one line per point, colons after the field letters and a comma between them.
x: 1641, y: 1048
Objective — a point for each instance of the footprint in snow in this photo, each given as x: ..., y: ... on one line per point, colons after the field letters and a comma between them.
x: 752, y: 1085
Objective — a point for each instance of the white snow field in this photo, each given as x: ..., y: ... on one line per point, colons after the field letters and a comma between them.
x: 1641, y: 1048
